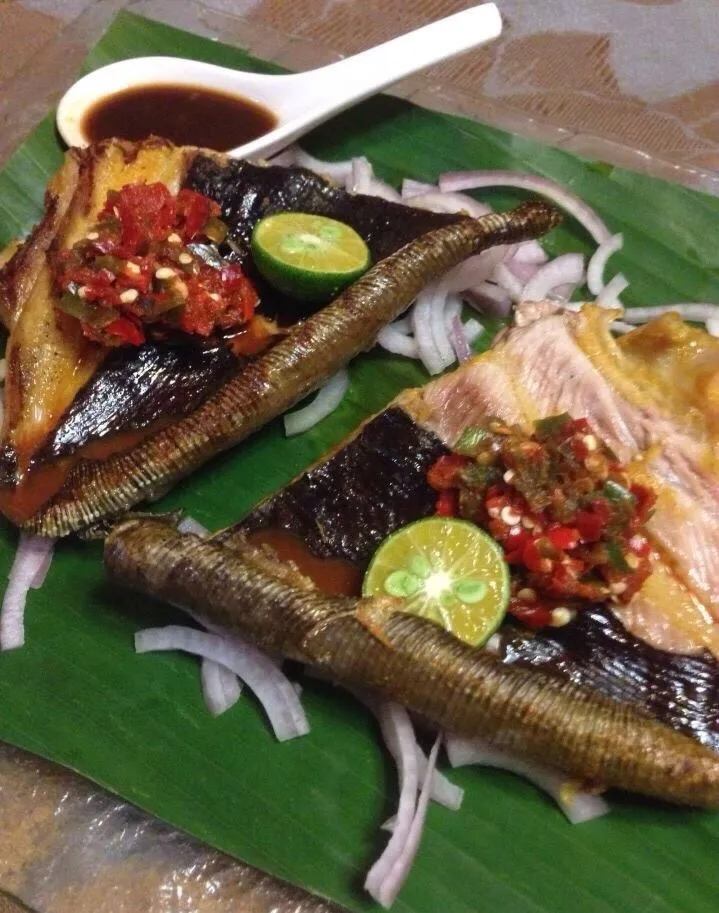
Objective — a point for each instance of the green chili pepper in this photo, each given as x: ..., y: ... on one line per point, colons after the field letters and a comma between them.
x: 617, y: 493
x: 470, y: 439
x: 546, y: 427
x: 86, y: 311
x: 616, y: 556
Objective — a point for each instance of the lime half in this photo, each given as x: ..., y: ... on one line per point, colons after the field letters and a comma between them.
x: 308, y: 257
x: 449, y: 571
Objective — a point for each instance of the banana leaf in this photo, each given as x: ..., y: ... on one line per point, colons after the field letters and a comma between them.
x: 309, y: 810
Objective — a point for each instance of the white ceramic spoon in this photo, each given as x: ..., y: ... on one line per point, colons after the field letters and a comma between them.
x: 299, y: 101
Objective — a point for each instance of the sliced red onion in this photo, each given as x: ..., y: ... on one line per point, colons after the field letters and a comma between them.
x: 32, y: 559
x: 336, y: 171
x: 452, y: 309
x: 325, y: 402
x: 412, y: 188
x: 477, y: 269
x: 578, y: 806
x: 396, y: 877
x: 362, y: 180
x: 491, y: 299
x: 403, y: 324
x: 440, y: 332
x: 221, y: 688
x: 458, y: 338
x: 565, y: 270
x: 422, y: 327
x: 449, y: 202
x: 393, y: 340
x: 189, y: 525
x: 398, y: 734
x: 272, y: 688
x: 475, y: 180
x: 698, y: 312
x: 506, y: 279
x: 380, y: 188
x: 523, y: 271
x: 598, y: 261
x: 530, y: 252
x: 609, y: 295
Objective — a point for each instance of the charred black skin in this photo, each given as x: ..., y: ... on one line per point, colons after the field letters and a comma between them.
x: 346, y: 505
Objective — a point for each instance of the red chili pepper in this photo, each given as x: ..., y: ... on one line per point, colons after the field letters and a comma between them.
x: 589, y: 526
x: 446, y: 505
x: 563, y: 538
x: 646, y: 499
x: 126, y: 330
x: 444, y: 472
x: 533, y: 616
x: 194, y: 210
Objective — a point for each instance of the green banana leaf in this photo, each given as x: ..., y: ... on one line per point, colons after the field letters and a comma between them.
x: 309, y: 810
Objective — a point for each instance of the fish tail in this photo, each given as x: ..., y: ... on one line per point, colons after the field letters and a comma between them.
x: 410, y: 660
x: 270, y: 385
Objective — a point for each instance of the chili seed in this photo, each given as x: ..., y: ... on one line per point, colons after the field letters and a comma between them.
x: 185, y: 258
x: 528, y: 522
x: 561, y: 616
x: 215, y: 296
x: 616, y: 589
x: 590, y: 442
x: 132, y: 268
x: 174, y: 238
x: 510, y: 516
x: 164, y: 272
x: 527, y: 594
x: 129, y: 295
x: 632, y: 561
x: 493, y: 511
x: 82, y: 291
x: 509, y: 475
x: 180, y: 289
x: 546, y: 565
x: 594, y: 463
x: 92, y: 235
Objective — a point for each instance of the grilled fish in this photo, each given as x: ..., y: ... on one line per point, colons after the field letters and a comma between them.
x: 71, y: 457
x: 372, y: 643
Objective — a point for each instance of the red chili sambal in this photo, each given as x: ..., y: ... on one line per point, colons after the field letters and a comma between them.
x: 570, y: 521
x: 149, y: 264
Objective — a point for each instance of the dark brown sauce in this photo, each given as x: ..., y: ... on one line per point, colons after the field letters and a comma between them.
x: 334, y: 576
x: 186, y: 115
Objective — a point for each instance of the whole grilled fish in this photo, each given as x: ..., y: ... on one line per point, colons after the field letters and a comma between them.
x: 303, y: 360
x: 372, y: 643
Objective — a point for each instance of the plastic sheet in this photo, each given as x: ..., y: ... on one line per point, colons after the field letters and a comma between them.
x: 69, y: 847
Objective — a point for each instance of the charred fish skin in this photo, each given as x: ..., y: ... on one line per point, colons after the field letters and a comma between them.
x: 371, y: 643
x: 307, y: 357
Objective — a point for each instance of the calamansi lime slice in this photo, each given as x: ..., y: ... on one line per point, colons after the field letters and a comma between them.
x: 308, y: 257
x: 449, y: 571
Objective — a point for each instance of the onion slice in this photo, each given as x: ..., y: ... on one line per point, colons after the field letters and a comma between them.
x: 568, y: 269
x: 459, y: 340
x: 398, y: 734
x: 476, y: 180
x: 325, y: 402
x: 221, y: 688
x: 32, y: 560
x: 422, y: 327
x: 294, y: 155
x: 392, y: 883
x: 577, y: 805
x: 397, y: 342
x: 598, y: 261
x: 698, y: 312
x: 436, y: 201
x: 609, y: 295
x: 273, y: 689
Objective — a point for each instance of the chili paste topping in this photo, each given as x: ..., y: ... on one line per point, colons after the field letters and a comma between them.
x: 569, y: 519
x: 149, y: 265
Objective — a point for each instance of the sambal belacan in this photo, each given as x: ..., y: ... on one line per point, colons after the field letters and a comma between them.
x: 140, y: 269
x: 570, y: 520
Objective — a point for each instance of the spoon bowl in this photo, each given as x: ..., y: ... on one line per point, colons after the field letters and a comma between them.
x: 299, y: 101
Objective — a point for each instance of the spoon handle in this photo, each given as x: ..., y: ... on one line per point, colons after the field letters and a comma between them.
x: 332, y: 88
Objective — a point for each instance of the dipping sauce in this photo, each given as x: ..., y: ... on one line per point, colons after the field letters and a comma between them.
x: 186, y: 115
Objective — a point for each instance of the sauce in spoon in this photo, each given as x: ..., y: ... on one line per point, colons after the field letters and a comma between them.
x: 185, y: 114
